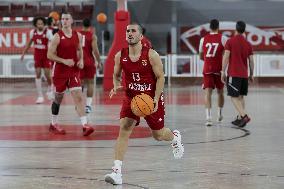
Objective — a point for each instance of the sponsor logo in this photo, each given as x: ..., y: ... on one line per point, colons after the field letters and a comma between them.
x: 144, y: 62
x: 140, y: 87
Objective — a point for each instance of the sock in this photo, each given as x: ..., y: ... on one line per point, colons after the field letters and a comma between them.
x: 89, y: 101
x: 117, y: 165
x: 208, y: 113
x: 83, y: 120
x: 54, y: 119
x: 219, y: 111
x: 38, y: 86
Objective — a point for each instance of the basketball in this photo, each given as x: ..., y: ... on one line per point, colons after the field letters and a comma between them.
x: 54, y: 15
x: 101, y: 18
x: 142, y: 105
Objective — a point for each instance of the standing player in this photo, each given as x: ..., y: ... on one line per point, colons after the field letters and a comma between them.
x: 237, y: 52
x: 211, y: 50
x: 40, y: 36
x: 66, y: 50
x: 90, y: 49
x: 143, y: 71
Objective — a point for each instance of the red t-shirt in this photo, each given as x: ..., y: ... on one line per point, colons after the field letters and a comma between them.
x: 240, y: 50
x: 138, y: 76
x: 87, y: 38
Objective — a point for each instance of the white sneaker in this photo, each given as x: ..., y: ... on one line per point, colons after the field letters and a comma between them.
x: 39, y: 100
x: 209, y: 122
x: 178, y: 148
x: 114, y: 178
x: 50, y: 95
x: 220, y: 119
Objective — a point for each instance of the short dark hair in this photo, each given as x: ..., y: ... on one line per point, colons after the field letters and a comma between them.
x: 140, y: 28
x: 86, y: 22
x: 214, y: 24
x: 39, y: 18
x: 143, y: 30
x: 49, y: 21
x: 241, y: 26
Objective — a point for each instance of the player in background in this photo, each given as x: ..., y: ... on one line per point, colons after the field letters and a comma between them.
x: 91, y: 61
x: 211, y: 49
x: 40, y: 37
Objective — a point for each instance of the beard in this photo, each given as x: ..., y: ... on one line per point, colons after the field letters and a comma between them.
x: 133, y: 43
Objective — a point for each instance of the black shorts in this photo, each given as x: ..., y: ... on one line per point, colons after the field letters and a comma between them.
x: 237, y: 86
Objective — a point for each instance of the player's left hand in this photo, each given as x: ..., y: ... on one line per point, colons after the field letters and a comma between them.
x: 80, y: 64
x: 99, y: 65
x: 155, y: 105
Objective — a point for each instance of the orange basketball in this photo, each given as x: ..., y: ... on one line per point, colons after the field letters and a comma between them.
x: 101, y: 18
x: 54, y: 15
x: 142, y: 105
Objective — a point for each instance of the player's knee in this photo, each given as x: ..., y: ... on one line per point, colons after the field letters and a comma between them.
x: 55, y: 108
x: 126, y: 127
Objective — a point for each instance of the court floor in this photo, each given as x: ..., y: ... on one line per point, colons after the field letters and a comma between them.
x: 217, y: 157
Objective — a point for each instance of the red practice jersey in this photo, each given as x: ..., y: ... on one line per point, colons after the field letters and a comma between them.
x: 67, y: 49
x: 138, y: 76
x: 40, y: 40
x: 87, y: 38
x: 212, y: 46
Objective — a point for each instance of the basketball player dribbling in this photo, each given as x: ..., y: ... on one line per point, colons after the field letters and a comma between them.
x: 143, y: 71
x: 40, y: 36
x: 66, y: 51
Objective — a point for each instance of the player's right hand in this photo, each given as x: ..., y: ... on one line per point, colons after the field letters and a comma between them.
x: 114, y: 90
x: 69, y: 62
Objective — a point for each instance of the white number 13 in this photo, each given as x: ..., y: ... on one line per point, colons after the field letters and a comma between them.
x: 136, y: 76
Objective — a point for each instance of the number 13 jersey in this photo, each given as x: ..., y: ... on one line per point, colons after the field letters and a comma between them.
x: 212, y: 46
x: 138, y: 77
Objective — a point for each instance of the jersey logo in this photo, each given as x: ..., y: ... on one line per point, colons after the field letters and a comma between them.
x: 124, y: 60
x: 144, y: 62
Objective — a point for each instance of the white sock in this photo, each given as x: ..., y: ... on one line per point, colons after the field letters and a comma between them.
x: 83, y: 120
x: 54, y: 119
x: 117, y: 165
x: 219, y: 111
x: 208, y: 113
x: 89, y: 101
x: 38, y: 86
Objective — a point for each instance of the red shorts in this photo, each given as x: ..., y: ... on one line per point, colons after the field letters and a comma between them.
x: 88, y: 72
x: 61, y: 84
x: 42, y: 63
x: 212, y: 81
x: 155, y: 120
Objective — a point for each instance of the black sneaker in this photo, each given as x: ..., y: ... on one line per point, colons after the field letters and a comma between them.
x: 244, y: 121
x: 236, y: 121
